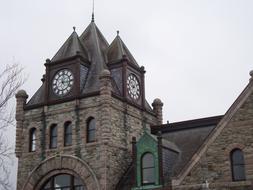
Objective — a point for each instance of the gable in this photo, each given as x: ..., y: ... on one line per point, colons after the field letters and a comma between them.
x: 235, y: 130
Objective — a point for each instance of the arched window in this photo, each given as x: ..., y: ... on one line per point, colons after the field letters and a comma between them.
x: 53, y: 136
x: 237, y: 165
x: 67, y: 134
x: 91, y: 130
x: 148, y: 169
x: 32, y: 140
x: 62, y: 182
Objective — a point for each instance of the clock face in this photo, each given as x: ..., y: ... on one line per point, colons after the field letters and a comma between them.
x: 62, y: 82
x: 133, y: 87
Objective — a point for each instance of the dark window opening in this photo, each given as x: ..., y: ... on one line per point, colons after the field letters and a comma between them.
x: 91, y: 130
x: 32, y: 140
x: 67, y: 134
x: 63, y: 182
x: 53, y: 136
x: 237, y: 165
x: 148, y: 169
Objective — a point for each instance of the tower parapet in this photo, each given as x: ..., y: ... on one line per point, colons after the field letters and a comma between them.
x: 158, y: 109
x: 21, y: 98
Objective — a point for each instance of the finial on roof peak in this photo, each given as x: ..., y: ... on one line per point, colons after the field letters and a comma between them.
x: 74, y: 28
x: 117, y: 32
x: 251, y: 75
x: 93, y: 17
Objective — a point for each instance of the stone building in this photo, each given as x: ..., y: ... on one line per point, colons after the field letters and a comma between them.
x: 89, y: 127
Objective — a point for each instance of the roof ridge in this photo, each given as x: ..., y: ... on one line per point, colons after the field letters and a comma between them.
x: 197, y: 122
x: 97, y: 45
x: 128, y: 53
x: 119, y: 42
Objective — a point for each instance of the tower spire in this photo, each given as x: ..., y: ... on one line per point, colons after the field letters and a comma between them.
x: 93, y: 7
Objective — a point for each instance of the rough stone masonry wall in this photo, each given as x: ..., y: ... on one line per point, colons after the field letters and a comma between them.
x: 126, y: 121
x: 57, y: 114
x: 215, y: 166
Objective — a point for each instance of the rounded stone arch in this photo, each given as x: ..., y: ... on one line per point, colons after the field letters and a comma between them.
x: 233, y: 146
x: 61, y: 164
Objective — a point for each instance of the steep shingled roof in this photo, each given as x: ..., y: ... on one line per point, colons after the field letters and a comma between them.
x: 38, y: 97
x: 97, y: 45
x: 188, y: 136
x: 70, y: 48
x: 117, y: 50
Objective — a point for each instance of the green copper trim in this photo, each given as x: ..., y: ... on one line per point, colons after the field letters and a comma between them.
x: 147, y: 144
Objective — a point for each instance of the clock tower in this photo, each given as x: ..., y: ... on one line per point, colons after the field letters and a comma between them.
x: 75, y: 132
x: 126, y: 72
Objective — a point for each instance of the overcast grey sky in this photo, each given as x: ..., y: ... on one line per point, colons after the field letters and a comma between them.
x: 197, y: 53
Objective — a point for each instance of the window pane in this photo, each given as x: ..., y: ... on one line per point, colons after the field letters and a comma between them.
x: 92, y: 124
x: 68, y: 129
x: 32, y: 142
x: 238, y: 157
x: 147, y: 161
x: 33, y: 134
x: 33, y: 148
x: 53, y: 137
x: 54, y: 131
x: 91, y: 128
x: 237, y: 162
x: 91, y: 136
x: 54, y: 142
x: 148, y: 169
x: 239, y: 173
x: 68, y: 140
x: 148, y: 176
x: 62, y: 181
x: 68, y: 134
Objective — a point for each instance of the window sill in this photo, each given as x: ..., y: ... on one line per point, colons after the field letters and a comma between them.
x: 147, y: 187
x: 31, y: 153
x: 91, y: 144
x: 69, y: 147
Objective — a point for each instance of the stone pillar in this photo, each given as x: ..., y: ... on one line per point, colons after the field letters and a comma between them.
x: 158, y: 109
x: 77, y: 130
x: 21, y: 98
x: 105, y: 103
x: 104, y: 130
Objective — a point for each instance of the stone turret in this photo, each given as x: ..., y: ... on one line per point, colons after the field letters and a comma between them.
x: 105, y: 83
x: 21, y: 98
x: 158, y: 109
x: 105, y: 103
